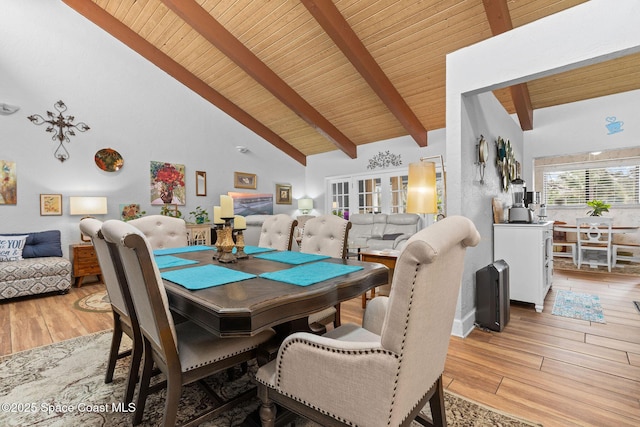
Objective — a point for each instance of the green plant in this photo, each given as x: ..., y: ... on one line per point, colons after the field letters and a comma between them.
x: 597, y: 207
x: 200, y: 215
x: 171, y: 210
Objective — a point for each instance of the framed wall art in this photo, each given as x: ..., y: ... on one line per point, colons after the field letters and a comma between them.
x: 167, y: 183
x: 201, y: 183
x: 251, y: 203
x: 245, y: 180
x: 283, y: 194
x: 8, y: 183
x: 50, y: 204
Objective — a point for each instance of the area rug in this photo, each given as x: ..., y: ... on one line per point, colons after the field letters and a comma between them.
x: 578, y: 306
x: 63, y: 384
x: 97, y: 302
x: 628, y: 268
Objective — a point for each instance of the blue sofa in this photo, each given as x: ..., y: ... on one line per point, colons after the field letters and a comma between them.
x: 43, y: 269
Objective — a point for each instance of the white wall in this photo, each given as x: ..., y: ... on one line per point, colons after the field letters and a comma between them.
x: 560, y: 42
x: 50, y: 53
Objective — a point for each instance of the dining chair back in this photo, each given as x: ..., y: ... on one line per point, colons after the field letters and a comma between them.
x: 326, y: 235
x: 201, y: 352
x: 162, y: 231
x: 403, y: 343
x: 595, y: 238
x: 563, y: 245
x: 124, y: 317
x: 277, y: 232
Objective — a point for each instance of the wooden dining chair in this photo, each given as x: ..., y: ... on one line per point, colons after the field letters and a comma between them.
x: 326, y: 235
x: 277, y: 232
x: 562, y: 246
x: 185, y: 352
x: 403, y: 343
x: 124, y: 316
x: 594, y: 237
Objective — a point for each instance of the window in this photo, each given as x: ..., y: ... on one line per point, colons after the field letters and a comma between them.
x: 612, y: 180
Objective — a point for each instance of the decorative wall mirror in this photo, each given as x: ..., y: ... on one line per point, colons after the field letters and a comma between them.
x: 201, y: 183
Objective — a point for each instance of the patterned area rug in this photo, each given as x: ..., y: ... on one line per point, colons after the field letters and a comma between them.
x: 97, y: 301
x: 578, y: 306
x: 628, y: 268
x: 63, y: 384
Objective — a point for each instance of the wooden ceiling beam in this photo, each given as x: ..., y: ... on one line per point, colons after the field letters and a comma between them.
x: 497, y: 12
x: 127, y: 36
x: 200, y: 20
x: 334, y: 24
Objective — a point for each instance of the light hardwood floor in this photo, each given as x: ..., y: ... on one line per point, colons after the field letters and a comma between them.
x: 549, y: 369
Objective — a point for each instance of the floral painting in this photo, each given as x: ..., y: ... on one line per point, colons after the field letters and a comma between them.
x: 131, y: 211
x: 167, y: 183
x: 8, y: 183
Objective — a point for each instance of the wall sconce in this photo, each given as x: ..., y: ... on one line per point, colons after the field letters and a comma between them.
x: 87, y: 206
x: 422, y: 191
x: 305, y: 205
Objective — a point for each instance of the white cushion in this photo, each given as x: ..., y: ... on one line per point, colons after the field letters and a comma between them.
x: 11, y: 247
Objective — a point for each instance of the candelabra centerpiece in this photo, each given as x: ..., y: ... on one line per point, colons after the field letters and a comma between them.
x: 239, y: 225
x: 226, y: 254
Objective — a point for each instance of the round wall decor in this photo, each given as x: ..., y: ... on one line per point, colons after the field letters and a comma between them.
x: 109, y: 160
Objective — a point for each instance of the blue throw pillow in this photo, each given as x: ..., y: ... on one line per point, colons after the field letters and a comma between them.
x: 41, y: 244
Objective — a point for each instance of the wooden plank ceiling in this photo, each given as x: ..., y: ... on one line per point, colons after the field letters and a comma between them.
x: 313, y: 76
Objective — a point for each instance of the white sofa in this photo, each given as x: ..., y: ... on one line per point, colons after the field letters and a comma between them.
x: 382, y: 231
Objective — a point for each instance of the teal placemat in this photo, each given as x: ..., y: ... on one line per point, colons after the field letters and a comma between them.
x: 182, y: 250
x: 305, y: 275
x: 205, y: 276
x: 166, y: 261
x: 290, y: 257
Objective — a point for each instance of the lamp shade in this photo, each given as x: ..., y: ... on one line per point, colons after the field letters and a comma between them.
x: 305, y: 205
x: 422, y: 194
x: 87, y: 205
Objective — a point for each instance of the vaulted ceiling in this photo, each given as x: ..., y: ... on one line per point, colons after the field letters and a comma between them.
x: 312, y: 76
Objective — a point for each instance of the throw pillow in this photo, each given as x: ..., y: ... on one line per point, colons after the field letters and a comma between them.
x: 41, y: 244
x: 11, y: 247
x: 391, y: 236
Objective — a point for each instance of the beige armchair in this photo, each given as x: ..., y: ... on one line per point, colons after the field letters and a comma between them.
x: 403, y: 343
x: 325, y: 235
x: 162, y: 231
x: 201, y: 352
x: 277, y: 232
x: 124, y: 317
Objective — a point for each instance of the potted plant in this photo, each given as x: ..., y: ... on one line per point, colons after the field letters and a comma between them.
x: 597, y: 207
x: 200, y: 215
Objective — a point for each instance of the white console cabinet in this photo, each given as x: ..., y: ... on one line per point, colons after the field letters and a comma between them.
x: 527, y: 249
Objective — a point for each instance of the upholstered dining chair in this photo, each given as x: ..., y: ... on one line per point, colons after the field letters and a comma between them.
x: 325, y: 235
x: 184, y: 352
x: 124, y: 317
x: 277, y: 232
x: 403, y: 342
x: 594, y: 236
x: 162, y: 231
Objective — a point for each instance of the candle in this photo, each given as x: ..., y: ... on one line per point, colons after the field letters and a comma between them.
x: 239, y: 222
x: 226, y: 207
x: 216, y: 215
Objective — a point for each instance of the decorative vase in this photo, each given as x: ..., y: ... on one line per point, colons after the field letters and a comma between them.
x: 167, y: 195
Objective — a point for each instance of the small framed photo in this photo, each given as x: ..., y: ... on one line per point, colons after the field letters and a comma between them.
x: 283, y: 194
x: 245, y: 180
x: 50, y: 204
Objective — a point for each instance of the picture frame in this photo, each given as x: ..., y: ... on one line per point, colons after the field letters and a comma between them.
x: 283, y: 194
x: 50, y: 204
x: 245, y: 180
x: 201, y: 183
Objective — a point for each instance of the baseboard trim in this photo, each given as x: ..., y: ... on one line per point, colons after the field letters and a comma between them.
x: 463, y: 327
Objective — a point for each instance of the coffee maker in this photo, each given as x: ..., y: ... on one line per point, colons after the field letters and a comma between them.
x: 519, y: 213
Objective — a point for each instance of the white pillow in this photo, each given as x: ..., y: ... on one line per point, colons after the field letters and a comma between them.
x: 11, y: 247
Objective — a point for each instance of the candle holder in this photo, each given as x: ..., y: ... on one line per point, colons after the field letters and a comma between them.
x: 227, y: 255
x: 218, y: 228
x: 240, y: 253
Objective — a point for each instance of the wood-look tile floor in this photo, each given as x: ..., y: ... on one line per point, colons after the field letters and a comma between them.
x: 545, y: 368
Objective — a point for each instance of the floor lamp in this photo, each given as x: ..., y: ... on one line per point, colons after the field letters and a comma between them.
x: 422, y: 190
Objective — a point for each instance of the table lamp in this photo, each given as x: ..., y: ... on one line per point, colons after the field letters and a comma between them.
x: 87, y: 206
x: 305, y: 205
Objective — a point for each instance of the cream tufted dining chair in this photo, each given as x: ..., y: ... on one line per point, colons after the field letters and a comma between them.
x: 403, y: 343
x: 124, y: 317
x: 184, y: 352
x: 162, y: 231
x: 277, y: 232
x: 325, y: 235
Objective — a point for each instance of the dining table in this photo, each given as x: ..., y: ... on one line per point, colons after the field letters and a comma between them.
x: 269, y: 289
x: 615, y: 229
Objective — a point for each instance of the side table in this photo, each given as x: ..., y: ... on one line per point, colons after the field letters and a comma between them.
x: 387, y: 258
x: 85, y: 262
